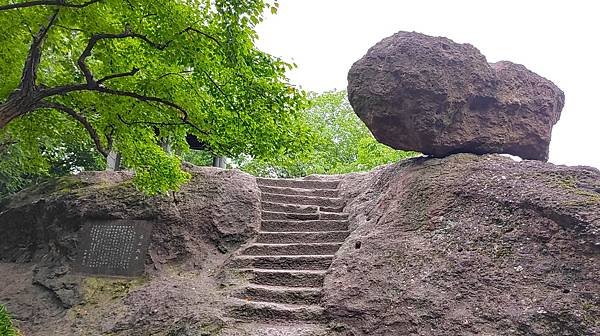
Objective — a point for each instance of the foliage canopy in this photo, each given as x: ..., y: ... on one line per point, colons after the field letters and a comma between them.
x: 340, y: 143
x: 116, y: 75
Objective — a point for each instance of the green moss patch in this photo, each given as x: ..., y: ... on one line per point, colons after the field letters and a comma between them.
x: 100, y: 290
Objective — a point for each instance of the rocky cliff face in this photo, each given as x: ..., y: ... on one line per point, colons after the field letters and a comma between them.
x: 469, y: 245
x: 195, y: 230
x: 464, y: 245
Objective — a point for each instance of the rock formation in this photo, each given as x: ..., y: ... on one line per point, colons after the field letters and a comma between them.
x: 469, y: 245
x: 463, y: 245
x: 438, y: 97
x: 195, y: 231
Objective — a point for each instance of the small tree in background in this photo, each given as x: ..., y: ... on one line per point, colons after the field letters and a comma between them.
x: 340, y: 143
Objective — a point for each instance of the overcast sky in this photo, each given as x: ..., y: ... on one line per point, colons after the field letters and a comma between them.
x: 556, y: 39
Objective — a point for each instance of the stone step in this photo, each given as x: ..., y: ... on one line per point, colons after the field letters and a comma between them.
x: 288, y: 278
x: 298, y: 183
x: 279, y: 294
x: 269, y: 311
x: 271, y: 215
x: 292, y: 249
x: 302, y: 237
x: 298, y: 208
x: 293, y: 208
x: 293, y: 262
x: 336, y: 209
x: 299, y: 191
x: 332, y: 202
x: 303, y: 226
x: 268, y: 328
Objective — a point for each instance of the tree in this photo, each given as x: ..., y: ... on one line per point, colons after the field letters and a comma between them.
x: 132, y: 73
x: 340, y: 143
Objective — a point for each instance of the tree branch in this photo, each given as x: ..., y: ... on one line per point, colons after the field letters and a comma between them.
x: 63, y: 90
x: 153, y: 123
x: 143, y: 98
x: 191, y: 29
x: 151, y: 99
x: 28, y: 77
x: 96, y: 85
x: 82, y: 120
x: 60, y: 3
x: 36, y: 95
x: 118, y: 75
x: 87, y: 52
x: 109, y: 137
x: 225, y: 96
x: 70, y: 28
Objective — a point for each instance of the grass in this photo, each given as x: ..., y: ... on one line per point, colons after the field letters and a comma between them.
x: 6, y: 326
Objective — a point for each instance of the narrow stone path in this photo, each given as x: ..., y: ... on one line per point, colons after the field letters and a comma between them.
x: 302, y: 228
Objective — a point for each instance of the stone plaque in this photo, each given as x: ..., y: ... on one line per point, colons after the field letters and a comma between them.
x: 113, y: 247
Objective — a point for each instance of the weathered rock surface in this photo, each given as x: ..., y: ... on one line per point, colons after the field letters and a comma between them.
x: 469, y: 245
x: 194, y: 232
x: 464, y: 245
x: 438, y: 97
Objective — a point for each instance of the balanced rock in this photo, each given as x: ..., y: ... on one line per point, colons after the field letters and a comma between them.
x: 439, y: 97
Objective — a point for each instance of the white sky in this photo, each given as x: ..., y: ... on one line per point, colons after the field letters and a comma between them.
x: 556, y: 39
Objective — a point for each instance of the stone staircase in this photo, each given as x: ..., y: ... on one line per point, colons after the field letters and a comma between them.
x: 302, y: 228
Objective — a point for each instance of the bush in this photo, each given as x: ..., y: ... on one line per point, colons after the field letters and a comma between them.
x: 6, y: 326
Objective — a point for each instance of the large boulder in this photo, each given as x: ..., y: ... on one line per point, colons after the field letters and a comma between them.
x: 468, y: 245
x: 439, y: 97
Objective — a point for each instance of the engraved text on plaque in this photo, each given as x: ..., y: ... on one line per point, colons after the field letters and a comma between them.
x: 113, y: 247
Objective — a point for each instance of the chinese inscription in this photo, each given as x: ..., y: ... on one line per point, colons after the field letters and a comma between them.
x: 114, y: 247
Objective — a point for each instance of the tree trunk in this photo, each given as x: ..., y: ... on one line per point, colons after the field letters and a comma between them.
x: 219, y: 161
x: 113, y: 161
x: 16, y: 106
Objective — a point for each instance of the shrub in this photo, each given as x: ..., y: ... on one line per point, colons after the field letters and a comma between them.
x: 6, y: 326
